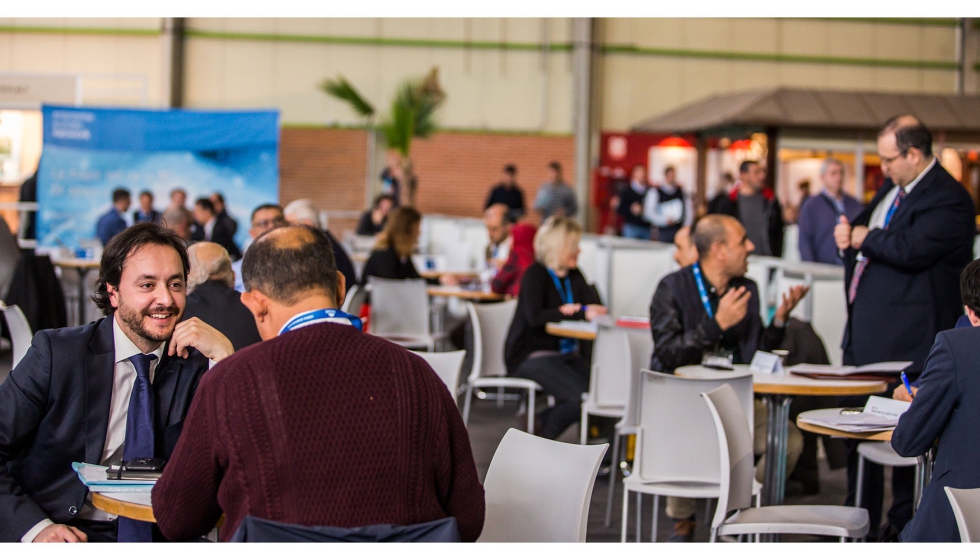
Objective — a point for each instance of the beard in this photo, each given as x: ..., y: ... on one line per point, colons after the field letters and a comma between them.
x: 133, y: 318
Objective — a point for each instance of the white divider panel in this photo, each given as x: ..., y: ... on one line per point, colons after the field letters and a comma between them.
x: 791, y: 243
x: 824, y: 307
x: 588, y: 263
x: 632, y: 270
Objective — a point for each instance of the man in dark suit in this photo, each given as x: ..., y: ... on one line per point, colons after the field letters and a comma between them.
x: 946, y: 406
x: 146, y: 213
x: 903, y: 257
x: 112, y: 222
x: 209, y: 228
x: 221, y: 211
x: 102, y: 392
x: 211, y: 295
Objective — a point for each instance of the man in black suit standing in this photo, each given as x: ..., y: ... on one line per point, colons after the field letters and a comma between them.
x: 946, y: 406
x: 146, y: 213
x: 209, y: 228
x: 212, y: 298
x: 115, y: 389
x: 903, y: 256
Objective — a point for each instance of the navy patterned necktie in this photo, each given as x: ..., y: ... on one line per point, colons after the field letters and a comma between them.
x: 139, y: 441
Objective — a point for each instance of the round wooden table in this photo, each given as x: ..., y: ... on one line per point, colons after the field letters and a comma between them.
x: 557, y: 329
x: 777, y: 391
x: 462, y: 275
x: 133, y: 505
x: 463, y: 293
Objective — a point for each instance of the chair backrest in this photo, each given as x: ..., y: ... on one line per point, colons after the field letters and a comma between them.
x: 641, y: 348
x: 736, y: 458
x: 539, y: 490
x: 399, y: 307
x: 677, y: 437
x: 447, y: 366
x: 491, y: 322
x: 966, y: 508
x: 20, y: 331
x: 354, y: 300
x: 609, y: 383
x: 255, y: 529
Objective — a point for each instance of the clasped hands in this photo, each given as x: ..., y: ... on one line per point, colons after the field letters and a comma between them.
x: 591, y: 311
x: 846, y: 236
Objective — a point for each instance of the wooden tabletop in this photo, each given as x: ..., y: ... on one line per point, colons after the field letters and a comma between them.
x: 456, y: 291
x: 461, y: 274
x: 789, y: 384
x: 76, y: 263
x: 133, y: 505
x: 557, y: 329
x: 801, y: 422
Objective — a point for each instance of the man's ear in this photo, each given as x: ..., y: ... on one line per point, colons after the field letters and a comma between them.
x: 974, y: 318
x: 113, y: 292
x: 257, y: 303
x: 341, y: 289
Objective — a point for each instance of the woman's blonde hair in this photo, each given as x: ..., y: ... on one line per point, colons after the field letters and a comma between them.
x: 553, y: 236
x: 399, y: 232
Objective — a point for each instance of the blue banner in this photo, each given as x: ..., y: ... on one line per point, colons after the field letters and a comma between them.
x: 90, y: 152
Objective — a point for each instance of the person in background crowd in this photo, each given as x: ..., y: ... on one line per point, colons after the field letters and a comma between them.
x: 113, y: 222
x: 946, y: 408
x: 87, y: 394
x: 497, y: 220
x: 392, y: 254
x: 710, y: 307
x: 756, y: 207
x: 685, y: 253
x: 630, y: 205
x: 667, y: 208
x: 180, y: 221
x: 304, y: 212
x: 373, y: 220
x: 146, y: 213
x: 391, y: 179
x: 178, y: 198
x: 265, y: 217
x: 555, y: 197
x: 553, y: 289
x: 207, y: 227
x: 221, y: 211
x: 271, y: 421
x: 725, y: 188
x: 28, y: 193
x: 820, y: 214
x: 508, y: 192
x: 903, y: 256
x: 211, y: 295
x: 508, y: 278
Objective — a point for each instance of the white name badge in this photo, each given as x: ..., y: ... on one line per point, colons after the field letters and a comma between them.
x: 889, y: 408
x: 765, y: 362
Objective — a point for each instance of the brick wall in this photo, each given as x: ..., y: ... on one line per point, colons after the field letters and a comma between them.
x: 455, y: 169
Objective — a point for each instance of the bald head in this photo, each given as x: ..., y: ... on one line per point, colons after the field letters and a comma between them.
x: 290, y: 263
x: 209, y: 261
x: 711, y: 230
x: 722, y: 245
x: 498, y: 222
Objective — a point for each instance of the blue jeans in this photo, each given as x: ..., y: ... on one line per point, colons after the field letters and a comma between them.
x: 636, y: 232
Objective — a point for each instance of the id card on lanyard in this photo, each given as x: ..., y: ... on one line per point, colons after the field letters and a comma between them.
x: 567, y: 345
x: 321, y: 316
x: 702, y: 291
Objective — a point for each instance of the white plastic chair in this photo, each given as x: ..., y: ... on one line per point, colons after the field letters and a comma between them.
x: 966, y: 508
x: 400, y: 312
x: 447, y: 366
x: 20, y: 331
x: 880, y: 452
x: 539, y: 490
x: 354, y: 300
x: 609, y: 383
x: 491, y: 322
x: 737, y: 474
x: 676, y: 453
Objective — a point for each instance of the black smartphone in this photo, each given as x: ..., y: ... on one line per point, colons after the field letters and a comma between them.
x: 146, y: 464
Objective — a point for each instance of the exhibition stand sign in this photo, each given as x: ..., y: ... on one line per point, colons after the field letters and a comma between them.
x: 89, y: 152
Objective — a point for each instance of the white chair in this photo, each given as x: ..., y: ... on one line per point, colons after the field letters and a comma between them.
x: 676, y: 453
x: 354, y: 300
x: 20, y: 331
x: 491, y: 323
x: 966, y: 508
x: 880, y: 452
x: 447, y: 366
x: 400, y: 312
x: 737, y: 474
x: 539, y: 490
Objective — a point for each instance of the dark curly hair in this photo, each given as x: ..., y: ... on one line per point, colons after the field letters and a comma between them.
x: 123, y: 245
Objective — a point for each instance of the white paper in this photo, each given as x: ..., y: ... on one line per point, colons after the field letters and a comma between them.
x: 880, y: 367
x: 888, y: 408
x: 766, y: 362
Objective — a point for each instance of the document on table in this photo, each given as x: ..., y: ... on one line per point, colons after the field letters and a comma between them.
x: 94, y: 476
x: 879, y: 414
x: 844, y: 371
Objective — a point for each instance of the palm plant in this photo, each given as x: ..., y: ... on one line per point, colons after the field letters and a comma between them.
x: 412, y: 115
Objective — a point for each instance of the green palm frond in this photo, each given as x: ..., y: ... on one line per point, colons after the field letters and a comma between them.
x: 343, y: 90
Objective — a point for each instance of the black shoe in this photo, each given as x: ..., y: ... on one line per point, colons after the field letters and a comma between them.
x: 683, y: 530
x: 888, y: 533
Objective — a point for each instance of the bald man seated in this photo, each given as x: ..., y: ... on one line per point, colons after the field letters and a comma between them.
x: 320, y: 424
x: 211, y: 294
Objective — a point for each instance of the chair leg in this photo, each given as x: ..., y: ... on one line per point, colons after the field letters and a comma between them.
x: 500, y: 397
x: 639, y: 515
x: 583, y: 431
x: 626, y: 512
x: 530, y: 411
x: 860, y: 482
x: 714, y: 535
x: 656, y: 514
x: 466, y: 405
x: 613, y: 469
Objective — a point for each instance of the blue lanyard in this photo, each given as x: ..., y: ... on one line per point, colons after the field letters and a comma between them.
x: 891, y: 210
x: 321, y: 316
x: 566, y: 294
x: 696, y: 267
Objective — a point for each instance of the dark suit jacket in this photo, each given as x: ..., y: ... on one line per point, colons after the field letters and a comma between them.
x: 154, y: 217
x: 947, y: 406
x: 54, y: 409
x: 221, y: 307
x: 110, y: 225
x: 910, y: 289
x: 340, y: 257
x: 220, y: 234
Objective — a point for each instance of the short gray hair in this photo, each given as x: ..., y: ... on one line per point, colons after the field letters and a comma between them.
x: 828, y: 162
x: 552, y: 237
x: 303, y: 210
x: 202, y: 271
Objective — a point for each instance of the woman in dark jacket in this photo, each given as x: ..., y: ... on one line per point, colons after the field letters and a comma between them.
x: 553, y: 290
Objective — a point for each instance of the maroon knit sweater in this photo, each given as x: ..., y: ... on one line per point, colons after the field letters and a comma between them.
x: 323, y: 425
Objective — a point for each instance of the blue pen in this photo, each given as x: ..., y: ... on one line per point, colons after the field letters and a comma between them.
x: 908, y: 387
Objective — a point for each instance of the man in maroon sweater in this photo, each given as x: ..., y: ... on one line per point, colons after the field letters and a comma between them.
x: 319, y: 424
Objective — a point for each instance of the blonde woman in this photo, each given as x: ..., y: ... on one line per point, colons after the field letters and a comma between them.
x: 552, y: 290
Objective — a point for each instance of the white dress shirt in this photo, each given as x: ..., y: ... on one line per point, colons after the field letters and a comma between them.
x: 123, y: 380
x: 209, y: 228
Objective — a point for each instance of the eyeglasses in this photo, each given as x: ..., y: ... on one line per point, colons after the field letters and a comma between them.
x: 889, y: 160
x: 269, y: 223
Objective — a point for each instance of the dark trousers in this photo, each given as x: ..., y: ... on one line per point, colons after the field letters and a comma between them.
x: 564, y: 377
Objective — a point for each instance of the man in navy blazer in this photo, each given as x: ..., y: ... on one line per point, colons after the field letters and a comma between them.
x: 903, y: 257
x: 112, y: 222
x: 69, y: 398
x: 946, y: 406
